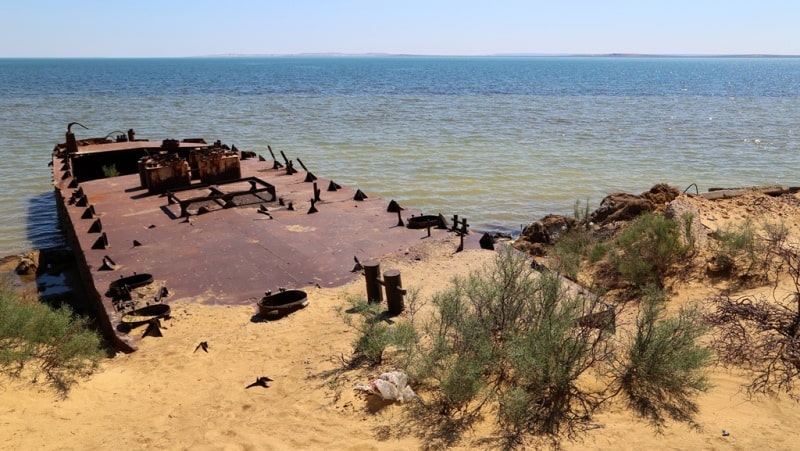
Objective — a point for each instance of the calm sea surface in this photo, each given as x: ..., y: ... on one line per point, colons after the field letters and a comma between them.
x: 501, y: 141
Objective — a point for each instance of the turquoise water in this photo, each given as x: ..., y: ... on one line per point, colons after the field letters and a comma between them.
x: 501, y: 141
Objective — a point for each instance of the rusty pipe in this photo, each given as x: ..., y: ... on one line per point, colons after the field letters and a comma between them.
x: 69, y: 126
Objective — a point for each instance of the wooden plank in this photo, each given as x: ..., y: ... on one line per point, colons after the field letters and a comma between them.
x: 727, y: 193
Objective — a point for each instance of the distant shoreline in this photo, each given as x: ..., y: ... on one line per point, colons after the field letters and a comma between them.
x: 409, y: 55
x: 503, y: 55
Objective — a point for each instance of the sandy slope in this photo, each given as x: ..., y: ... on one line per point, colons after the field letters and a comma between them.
x: 169, y: 396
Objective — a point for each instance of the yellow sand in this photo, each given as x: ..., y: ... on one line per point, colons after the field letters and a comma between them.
x: 169, y: 395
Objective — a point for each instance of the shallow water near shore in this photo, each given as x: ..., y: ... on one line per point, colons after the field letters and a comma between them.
x: 501, y: 141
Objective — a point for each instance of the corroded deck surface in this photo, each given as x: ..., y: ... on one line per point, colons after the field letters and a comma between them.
x: 229, y: 255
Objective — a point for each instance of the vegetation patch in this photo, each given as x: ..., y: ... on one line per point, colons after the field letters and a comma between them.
x: 663, y: 367
x: 762, y: 334
x: 38, y: 340
x: 519, y: 345
x: 759, y: 332
x: 110, y: 171
x: 646, y: 250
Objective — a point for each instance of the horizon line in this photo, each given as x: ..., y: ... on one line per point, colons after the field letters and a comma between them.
x: 380, y: 54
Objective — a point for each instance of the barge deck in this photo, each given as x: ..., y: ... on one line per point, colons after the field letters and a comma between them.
x: 223, y: 240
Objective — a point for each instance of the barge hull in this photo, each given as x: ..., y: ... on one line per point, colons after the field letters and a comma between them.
x: 206, y: 245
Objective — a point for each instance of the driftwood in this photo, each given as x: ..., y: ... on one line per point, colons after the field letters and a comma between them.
x: 727, y: 193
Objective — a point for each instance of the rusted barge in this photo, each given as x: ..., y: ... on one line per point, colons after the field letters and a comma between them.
x: 210, y: 224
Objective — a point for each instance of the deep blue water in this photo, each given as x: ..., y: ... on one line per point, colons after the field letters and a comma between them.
x: 502, y: 141
x: 374, y: 76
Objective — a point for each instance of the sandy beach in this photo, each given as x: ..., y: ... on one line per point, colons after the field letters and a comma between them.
x: 172, y: 395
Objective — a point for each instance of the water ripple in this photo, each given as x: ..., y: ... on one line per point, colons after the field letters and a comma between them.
x: 500, y: 141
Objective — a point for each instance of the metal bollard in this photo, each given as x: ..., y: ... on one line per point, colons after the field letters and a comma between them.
x: 394, y: 291
x: 372, y: 269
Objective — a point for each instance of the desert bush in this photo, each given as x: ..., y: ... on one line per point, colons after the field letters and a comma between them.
x: 645, y: 250
x: 376, y: 333
x: 735, y: 248
x: 459, y: 348
x: 570, y: 250
x: 777, y: 234
x: 405, y: 336
x: 687, y: 221
x: 663, y: 366
x: 547, y: 358
x: 110, y: 171
x: 521, y: 342
x: 50, y: 342
x: 510, y: 335
x: 373, y: 334
x: 581, y: 210
x: 762, y: 335
x: 777, y: 252
x: 598, y: 251
x: 572, y: 247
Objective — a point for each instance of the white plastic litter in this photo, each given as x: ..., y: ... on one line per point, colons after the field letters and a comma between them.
x: 391, y: 386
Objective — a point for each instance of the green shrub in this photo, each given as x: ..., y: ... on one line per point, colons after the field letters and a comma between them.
x: 375, y: 333
x: 735, y: 247
x: 570, y: 250
x: 110, y: 171
x: 460, y: 347
x: 688, y: 222
x: 777, y: 234
x: 548, y: 357
x: 55, y: 341
x: 462, y: 375
x: 571, y: 247
x: 519, y: 341
x: 510, y: 335
x: 598, y: 251
x: 580, y: 210
x: 663, y: 368
x: 646, y: 249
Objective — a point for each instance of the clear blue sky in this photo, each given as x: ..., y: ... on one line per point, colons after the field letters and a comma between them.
x: 163, y: 28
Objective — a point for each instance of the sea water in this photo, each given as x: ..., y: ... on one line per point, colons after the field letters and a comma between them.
x: 501, y: 141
